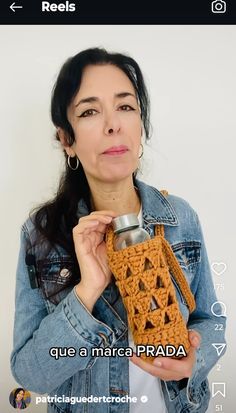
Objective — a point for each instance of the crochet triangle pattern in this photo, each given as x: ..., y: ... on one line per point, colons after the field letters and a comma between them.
x: 143, y: 275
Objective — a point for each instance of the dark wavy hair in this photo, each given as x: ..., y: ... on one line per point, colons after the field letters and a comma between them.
x: 55, y: 219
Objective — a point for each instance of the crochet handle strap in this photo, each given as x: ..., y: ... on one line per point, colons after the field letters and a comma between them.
x: 175, y: 267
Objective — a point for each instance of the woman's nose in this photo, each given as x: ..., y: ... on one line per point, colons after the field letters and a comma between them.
x: 112, y: 125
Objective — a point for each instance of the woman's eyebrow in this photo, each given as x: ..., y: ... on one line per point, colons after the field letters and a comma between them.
x: 90, y: 99
x: 124, y: 95
x: 93, y: 99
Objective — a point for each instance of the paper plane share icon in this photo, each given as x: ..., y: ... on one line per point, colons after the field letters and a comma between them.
x: 219, y: 347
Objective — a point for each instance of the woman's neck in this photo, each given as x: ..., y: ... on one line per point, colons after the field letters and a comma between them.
x: 121, y: 202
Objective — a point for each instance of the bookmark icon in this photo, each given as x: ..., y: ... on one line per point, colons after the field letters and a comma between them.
x: 218, y: 388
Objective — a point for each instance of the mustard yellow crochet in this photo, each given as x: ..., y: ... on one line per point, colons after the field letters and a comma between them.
x: 142, y: 272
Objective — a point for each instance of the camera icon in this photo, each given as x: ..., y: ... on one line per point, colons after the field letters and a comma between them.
x: 218, y: 6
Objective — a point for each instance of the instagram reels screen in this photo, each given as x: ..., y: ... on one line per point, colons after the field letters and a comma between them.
x: 118, y: 141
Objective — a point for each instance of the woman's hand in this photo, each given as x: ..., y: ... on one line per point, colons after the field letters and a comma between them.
x: 167, y: 368
x: 90, y: 250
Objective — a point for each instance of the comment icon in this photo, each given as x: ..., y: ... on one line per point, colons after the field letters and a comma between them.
x: 215, y: 309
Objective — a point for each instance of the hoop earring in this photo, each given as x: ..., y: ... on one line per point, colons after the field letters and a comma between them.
x: 77, y: 162
x: 142, y: 152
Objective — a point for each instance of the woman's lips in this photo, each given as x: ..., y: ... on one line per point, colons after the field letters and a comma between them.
x: 112, y: 153
x: 116, y: 148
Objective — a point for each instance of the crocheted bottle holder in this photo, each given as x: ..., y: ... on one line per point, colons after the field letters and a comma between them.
x: 142, y: 272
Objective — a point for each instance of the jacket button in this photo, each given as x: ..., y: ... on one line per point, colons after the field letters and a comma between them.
x: 104, y: 339
x: 64, y: 272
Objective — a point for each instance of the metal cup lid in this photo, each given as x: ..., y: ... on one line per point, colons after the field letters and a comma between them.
x: 125, y: 222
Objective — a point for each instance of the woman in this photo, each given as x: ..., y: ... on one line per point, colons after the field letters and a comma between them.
x: 65, y: 292
x: 18, y: 399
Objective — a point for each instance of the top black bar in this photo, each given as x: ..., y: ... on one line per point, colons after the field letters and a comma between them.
x: 98, y: 12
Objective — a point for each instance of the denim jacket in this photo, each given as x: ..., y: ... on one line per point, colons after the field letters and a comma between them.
x: 42, y: 323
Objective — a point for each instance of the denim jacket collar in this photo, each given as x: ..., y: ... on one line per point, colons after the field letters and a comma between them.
x: 156, y: 208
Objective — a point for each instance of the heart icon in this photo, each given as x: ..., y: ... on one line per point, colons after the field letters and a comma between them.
x: 218, y: 267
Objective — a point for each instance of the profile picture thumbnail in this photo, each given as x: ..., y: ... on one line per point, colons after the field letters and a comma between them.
x: 20, y: 398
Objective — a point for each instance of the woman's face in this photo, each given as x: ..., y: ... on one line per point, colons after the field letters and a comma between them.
x: 106, y: 100
x: 20, y: 395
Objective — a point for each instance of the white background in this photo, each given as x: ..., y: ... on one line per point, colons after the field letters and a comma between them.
x: 190, y: 74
